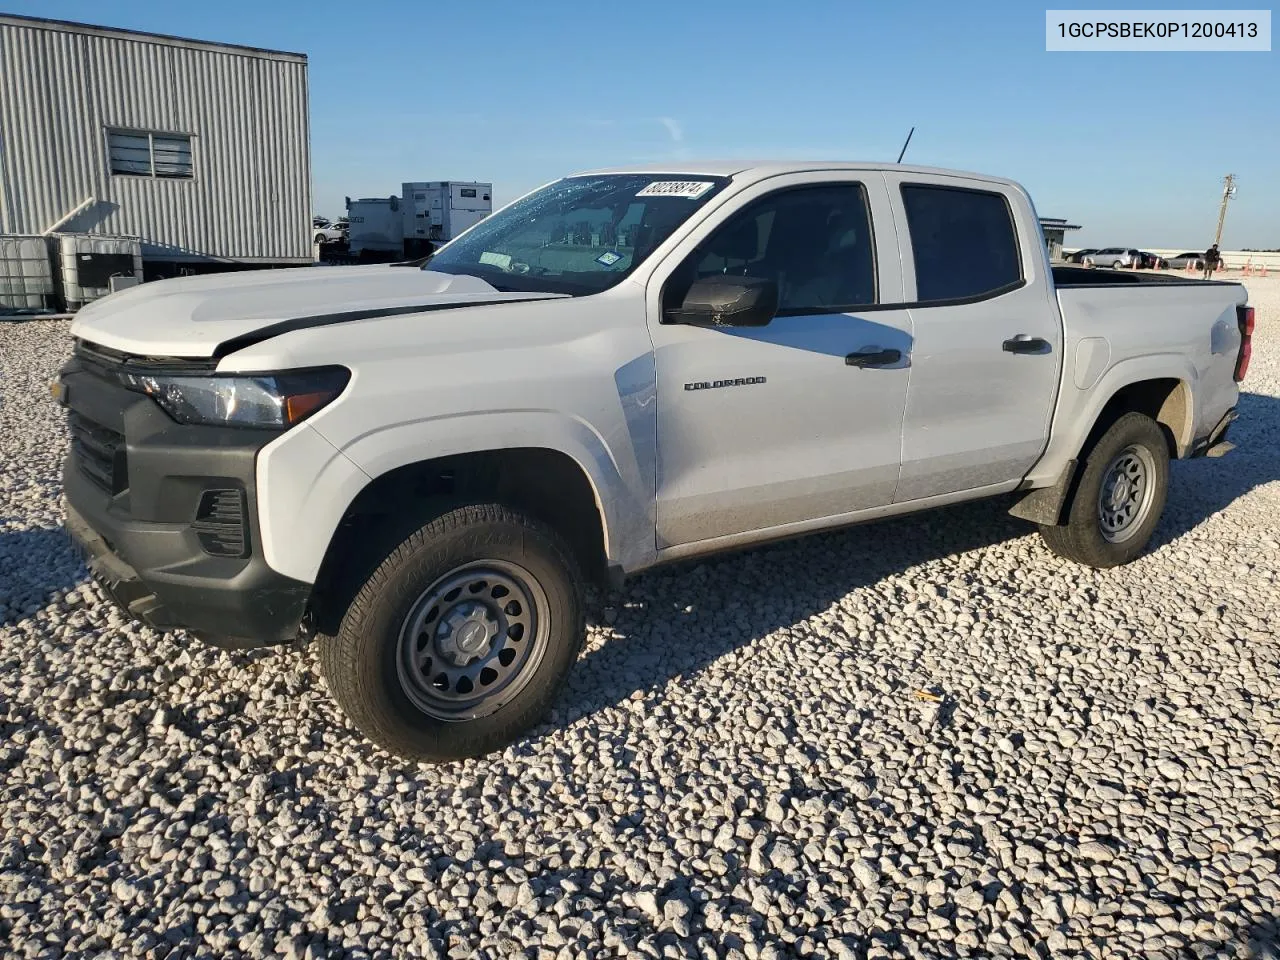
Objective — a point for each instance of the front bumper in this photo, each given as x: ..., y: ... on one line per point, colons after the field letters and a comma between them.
x: 136, y: 486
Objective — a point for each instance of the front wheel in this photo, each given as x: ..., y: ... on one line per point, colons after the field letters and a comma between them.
x: 458, y: 642
x: 1123, y: 484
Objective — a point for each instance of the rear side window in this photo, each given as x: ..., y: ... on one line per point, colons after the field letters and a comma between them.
x: 963, y: 241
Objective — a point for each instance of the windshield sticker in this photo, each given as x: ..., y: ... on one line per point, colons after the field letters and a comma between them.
x: 608, y: 258
x: 685, y: 189
x: 502, y: 260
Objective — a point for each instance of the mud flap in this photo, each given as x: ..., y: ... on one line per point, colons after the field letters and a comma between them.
x: 1045, y: 505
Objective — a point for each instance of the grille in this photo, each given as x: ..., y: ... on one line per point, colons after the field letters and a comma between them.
x: 220, y: 523
x: 107, y: 360
x: 100, y: 453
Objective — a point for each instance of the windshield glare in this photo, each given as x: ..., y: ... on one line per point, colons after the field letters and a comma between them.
x: 579, y: 235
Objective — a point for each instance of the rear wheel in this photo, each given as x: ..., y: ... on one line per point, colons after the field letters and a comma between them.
x: 1117, y: 265
x: 1119, y: 498
x: 458, y: 642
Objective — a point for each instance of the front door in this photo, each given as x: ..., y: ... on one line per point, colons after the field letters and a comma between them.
x: 768, y: 426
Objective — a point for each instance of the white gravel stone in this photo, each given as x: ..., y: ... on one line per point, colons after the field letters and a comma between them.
x: 738, y: 765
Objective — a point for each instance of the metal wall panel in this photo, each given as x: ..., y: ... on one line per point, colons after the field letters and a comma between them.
x: 62, y: 88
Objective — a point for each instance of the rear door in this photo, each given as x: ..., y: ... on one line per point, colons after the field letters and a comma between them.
x: 988, y: 338
x: 763, y: 427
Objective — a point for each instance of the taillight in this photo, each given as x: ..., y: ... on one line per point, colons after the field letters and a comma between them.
x: 1244, y: 317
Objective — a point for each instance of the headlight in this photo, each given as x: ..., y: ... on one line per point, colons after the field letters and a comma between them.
x: 271, y: 400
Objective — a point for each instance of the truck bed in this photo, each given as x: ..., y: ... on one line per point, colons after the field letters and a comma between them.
x: 1065, y: 276
x: 1118, y: 329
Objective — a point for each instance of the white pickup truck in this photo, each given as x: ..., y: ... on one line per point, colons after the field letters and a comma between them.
x: 420, y: 466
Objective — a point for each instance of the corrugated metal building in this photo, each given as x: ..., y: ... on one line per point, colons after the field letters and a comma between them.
x: 200, y: 149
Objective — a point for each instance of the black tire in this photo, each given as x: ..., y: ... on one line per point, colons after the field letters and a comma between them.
x: 364, y: 661
x: 1082, y: 538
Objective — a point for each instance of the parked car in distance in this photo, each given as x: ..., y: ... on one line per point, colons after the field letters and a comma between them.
x: 423, y: 468
x: 326, y: 231
x: 1116, y: 257
x: 1182, y: 260
x: 1078, y: 256
x: 1151, y: 261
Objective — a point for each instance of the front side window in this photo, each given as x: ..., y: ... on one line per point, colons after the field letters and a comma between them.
x: 963, y: 242
x: 138, y: 153
x: 578, y: 236
x: 815, y: 243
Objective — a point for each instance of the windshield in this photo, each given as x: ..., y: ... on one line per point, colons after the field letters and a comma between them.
x: 578, y: 236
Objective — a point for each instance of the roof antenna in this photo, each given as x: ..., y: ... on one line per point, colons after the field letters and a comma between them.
x: 904, y: 146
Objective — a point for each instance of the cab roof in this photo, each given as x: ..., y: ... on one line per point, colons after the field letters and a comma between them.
x: 762, y: 169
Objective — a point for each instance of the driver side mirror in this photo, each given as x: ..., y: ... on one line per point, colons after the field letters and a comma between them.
x: 727, y: 301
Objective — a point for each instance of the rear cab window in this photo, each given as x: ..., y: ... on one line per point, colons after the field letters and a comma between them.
x: 964, y: 242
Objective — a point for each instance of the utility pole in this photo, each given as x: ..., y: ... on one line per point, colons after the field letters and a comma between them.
x: 1228, y: 191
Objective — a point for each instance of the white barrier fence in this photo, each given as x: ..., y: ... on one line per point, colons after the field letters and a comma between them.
x: 1233, y: 260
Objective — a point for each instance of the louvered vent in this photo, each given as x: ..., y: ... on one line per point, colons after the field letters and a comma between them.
x: 220, y: 523
x: 100, y: 453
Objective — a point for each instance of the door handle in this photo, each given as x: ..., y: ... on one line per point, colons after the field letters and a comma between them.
x: 1023, y: 343
x: 873, y: 358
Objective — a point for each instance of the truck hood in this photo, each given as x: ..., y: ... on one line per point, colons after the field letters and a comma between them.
x: 194, y: 316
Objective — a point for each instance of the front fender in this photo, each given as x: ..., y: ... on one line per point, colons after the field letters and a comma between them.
x: 306, y: 483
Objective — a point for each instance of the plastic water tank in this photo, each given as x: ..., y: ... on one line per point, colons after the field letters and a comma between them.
x: 27, y: 277
x: 89, y: 262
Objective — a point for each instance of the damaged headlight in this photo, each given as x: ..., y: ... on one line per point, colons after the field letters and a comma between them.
x: 272, y: 400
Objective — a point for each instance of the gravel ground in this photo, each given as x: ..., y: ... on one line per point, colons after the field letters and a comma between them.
x: 740, y: 766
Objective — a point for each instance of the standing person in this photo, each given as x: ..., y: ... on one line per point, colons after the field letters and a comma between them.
x: 1211, y: 260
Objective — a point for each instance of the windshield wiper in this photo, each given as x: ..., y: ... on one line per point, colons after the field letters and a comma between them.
x: 420, y: 262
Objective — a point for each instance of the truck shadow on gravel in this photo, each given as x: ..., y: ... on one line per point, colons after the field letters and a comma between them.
x: 1198, y: 489
x: 35, y: 566
x: 679, y: 619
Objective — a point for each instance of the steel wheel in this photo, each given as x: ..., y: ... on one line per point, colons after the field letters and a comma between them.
x: 472, y: 640
x: 1126, y: 494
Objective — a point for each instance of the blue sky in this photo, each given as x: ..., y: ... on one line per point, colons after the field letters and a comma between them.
x: 1131, y: 145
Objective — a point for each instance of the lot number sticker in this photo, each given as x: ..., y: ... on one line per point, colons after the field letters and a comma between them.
x: 685, y: 189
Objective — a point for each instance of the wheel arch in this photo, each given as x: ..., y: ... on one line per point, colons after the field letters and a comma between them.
x: 1166, y: 400
x: 548, y: 484
x: 1161, y: 392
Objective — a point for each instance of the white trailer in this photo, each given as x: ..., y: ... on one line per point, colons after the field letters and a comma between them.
x: 440, y: 210
x: 425, y: 215
x: 375, y: 227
